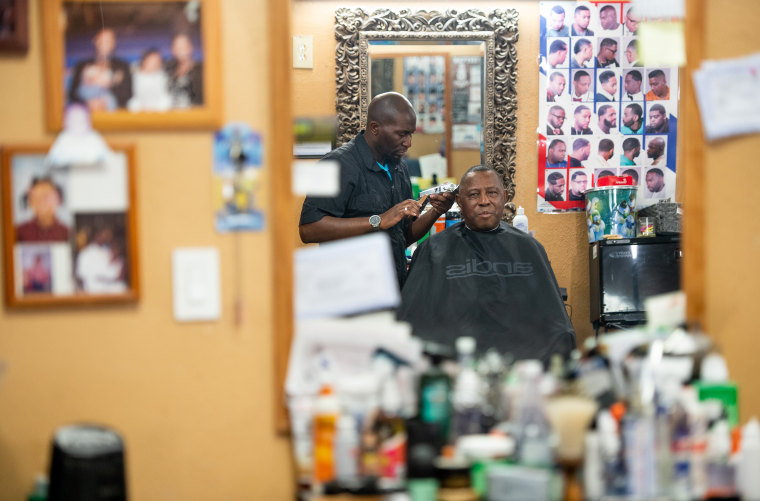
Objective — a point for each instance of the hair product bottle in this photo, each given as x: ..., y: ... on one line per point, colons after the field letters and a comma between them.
x: 326, y: 412
x: 521, y: 220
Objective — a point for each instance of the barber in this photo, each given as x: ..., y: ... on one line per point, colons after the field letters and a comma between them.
x: 375, y: 190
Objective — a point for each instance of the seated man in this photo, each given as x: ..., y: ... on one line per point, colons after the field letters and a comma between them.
x: 485, y: 279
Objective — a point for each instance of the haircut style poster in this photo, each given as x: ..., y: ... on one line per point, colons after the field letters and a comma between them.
x: 601, y: 112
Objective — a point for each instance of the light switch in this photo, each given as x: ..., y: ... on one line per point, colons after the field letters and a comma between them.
x: 303, y: 51
x: 195, y: 273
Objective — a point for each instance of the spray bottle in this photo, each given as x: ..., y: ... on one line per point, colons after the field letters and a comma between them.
x: 521, y: 220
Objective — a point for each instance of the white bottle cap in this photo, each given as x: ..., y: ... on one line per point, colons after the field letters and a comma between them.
x: 466, y: 345
x: 714, y: 369
x: 751, y: 432
x: 520, y: 211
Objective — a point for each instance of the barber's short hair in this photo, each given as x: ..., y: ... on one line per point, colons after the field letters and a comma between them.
x: 557, y: 46
x: 581, y: 8
x: 636, y: 109
x: 557, y: 9
x: 605, y: 8
x: 580, y: 143
x: 635, y: 74
x: 606, y: 173
x: 631, y: 144
x: 554, y: 177
x: 579, y: 74
x: 607, y: 42
x: 580, y: 45
x: 606, y: 145
x: 658, y: 108
x: 656, y: 171
x: 656, y: 74
x: 576, y: 174
x: 632, y: 45
x: 605, y: 76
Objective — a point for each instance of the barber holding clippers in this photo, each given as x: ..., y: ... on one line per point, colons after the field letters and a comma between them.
x: 375, y: 191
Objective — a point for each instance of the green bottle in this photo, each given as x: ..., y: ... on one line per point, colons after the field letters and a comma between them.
x: 435, y: 391
x: 40, y: 490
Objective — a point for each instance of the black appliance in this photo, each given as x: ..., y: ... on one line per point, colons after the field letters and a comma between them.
x: 625, y: 272
x: 87, y: 465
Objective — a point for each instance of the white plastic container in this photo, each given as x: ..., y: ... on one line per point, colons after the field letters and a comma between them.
x: 521, y: 220
x: 346, y: 449
x: 749, y: 464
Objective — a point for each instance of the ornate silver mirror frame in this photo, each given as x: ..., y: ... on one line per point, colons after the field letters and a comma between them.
x: 354, y: 29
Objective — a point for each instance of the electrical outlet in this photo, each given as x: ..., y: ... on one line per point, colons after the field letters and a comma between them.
x: 303, y: 51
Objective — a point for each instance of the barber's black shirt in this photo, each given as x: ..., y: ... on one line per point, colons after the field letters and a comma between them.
x: 365, y: 190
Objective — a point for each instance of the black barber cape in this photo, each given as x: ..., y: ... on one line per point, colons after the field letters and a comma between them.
x: 496, y: 286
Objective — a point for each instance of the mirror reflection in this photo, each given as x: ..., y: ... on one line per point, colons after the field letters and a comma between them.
x: 474, y: 59
x: 444, y: 81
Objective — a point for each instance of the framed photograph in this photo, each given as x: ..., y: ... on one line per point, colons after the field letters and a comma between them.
x: 14, y: 25
x: 143, y: 64
x: 69, y: 233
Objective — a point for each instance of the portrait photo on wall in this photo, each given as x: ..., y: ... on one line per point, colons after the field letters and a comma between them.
x: 100, y: 255
x: 70, y: 232
x: 14, y: 25
x: 133, y: 60
x: 35, y: 269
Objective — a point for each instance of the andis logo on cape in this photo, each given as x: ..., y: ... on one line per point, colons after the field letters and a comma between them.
x: 473, y: 267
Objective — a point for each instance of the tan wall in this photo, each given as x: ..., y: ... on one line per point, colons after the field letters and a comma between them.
x: 194, y: 402
x: 731, y: 231
x: 563, y: 235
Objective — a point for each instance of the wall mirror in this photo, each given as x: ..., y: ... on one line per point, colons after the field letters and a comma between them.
x: 459, y: 70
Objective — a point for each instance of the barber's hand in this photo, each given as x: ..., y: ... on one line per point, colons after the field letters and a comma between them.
x: 408, y: 209
x: 442, y: 202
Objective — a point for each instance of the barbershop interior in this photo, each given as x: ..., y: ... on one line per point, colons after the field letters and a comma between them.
x: 170, y: 329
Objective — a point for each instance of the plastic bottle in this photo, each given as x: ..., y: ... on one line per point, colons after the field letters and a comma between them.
x: 467, y: 398
x: 435, y: 392
x: 535, y: 434
x: 613, y: 465
x: 40, y: 490
x: 391, y: 434
x: 453, y: 216
x: 593, y: 468
x: 721, y: 475
x: 749, y: 462
x: 346, y: 450
x: 467, y: 401
x: 521, y: 220
x: 326, y: 412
